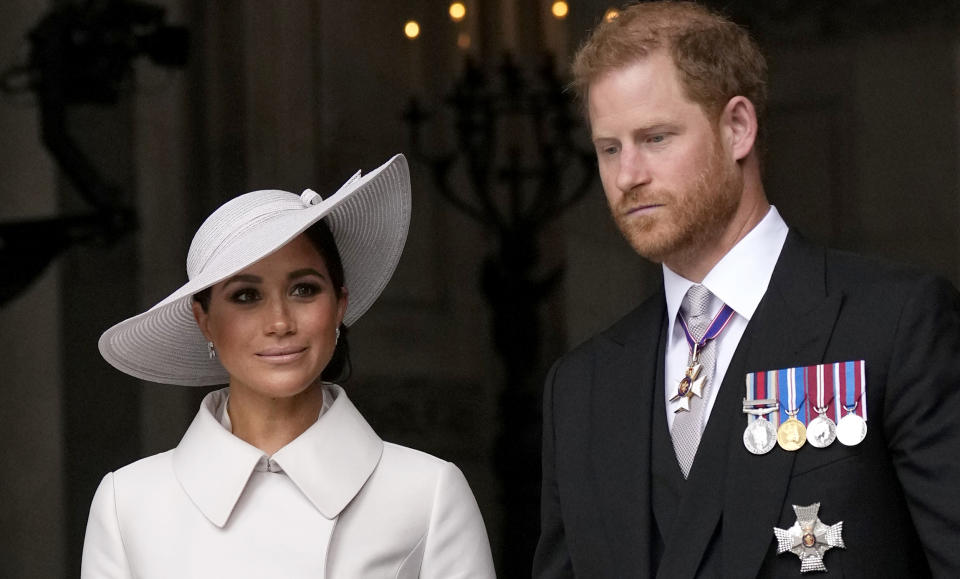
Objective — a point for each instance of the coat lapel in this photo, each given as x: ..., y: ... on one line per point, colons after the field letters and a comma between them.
x: 727, y: 483
x: 702, y: 502
x: 622, y: 403
x: 792, y: 327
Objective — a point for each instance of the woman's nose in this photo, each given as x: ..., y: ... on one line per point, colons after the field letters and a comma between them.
x: 280, y: 321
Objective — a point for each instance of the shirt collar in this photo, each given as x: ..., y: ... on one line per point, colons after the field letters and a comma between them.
x: 741, y: 276
x: 330, y: 462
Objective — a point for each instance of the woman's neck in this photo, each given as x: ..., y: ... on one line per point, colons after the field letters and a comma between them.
x: 271, y: 423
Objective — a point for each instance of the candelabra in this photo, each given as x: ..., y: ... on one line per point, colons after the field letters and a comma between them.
x: 514, y: 167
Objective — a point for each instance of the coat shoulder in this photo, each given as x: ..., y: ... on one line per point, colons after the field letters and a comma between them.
x: 850, y: 269
x: 403, y: 461
x: 145, y: 473
x: 646, y: 317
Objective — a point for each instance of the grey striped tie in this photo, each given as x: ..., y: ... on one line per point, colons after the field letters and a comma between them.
x: 687, y: 426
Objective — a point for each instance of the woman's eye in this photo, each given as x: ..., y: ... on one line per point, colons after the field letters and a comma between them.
x: 305, y: 290
x: 245, y: 296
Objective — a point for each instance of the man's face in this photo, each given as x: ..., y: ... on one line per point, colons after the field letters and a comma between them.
x: 671, y: 184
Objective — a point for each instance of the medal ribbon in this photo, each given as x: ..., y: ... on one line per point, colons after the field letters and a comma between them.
x: 716, y: 326
x: 820, y: 397
x: 837, y: 386
x: 822, y: 391
x: 788, y: 391
x: 822, y: 403
x: 803, y: 389
x: 853, y: 378
x: 757, y: 391
x: 773, y: 390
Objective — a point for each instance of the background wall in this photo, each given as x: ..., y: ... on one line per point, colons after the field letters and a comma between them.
x: 864, y: 153
x: 31, y: 488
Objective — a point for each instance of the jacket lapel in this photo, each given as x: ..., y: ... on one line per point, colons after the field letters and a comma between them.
x: 622, y: 403
x: 702, y: 501
x: 792, y: 327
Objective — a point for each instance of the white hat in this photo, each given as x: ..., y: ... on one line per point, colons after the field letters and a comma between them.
x: 368, y: 216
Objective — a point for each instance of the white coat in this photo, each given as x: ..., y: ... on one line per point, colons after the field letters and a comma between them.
x: 336, y: 502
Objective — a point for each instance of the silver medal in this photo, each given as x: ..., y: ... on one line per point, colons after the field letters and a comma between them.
x: 821, y: 431
x: 851, y: 430
x: 760, y: 436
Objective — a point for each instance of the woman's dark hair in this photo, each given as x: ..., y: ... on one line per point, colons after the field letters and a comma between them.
x: 338, y: 369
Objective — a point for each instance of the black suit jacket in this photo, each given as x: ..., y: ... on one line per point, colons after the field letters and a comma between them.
x: 897, y: 493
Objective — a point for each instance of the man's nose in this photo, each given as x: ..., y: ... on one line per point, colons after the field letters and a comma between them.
x: 633, y: 170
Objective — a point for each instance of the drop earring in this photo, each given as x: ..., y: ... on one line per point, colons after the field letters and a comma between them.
x: 211, y: 351
x: 336, y: 340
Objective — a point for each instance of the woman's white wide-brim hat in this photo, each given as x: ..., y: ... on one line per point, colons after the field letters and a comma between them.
x: 368, y: 216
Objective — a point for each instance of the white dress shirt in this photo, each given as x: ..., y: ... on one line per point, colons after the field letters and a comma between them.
x: 335, y: 502
x: 739, y: 280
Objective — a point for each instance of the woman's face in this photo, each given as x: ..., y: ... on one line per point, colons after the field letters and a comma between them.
x: 274, y: 323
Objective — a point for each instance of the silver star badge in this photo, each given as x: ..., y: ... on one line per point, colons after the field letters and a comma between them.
x: 809, y: 538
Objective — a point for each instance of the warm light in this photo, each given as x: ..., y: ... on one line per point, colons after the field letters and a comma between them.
x: 560, y: 9
x: 411, y: 29
x: 611, y: 14
x: 457, y: 11
x: 463, y: 41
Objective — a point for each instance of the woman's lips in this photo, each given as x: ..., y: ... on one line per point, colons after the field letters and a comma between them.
x: 281, y: 355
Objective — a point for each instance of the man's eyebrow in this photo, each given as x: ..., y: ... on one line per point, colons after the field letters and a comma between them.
x: 651, y: 127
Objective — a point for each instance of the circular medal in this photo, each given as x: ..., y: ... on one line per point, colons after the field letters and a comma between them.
x: 851, y: 429
x: 760, y: 436
x: 821, y: 432
x: 792, y: 434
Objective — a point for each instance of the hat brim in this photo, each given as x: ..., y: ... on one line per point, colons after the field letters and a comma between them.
x: 369, y: 218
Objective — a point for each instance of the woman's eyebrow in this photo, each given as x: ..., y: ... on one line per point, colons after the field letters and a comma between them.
x: 244, y: 277
x: 305, y: 271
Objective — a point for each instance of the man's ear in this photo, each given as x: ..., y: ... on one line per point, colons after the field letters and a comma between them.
x: 201, y: 317
x: 738, y: 123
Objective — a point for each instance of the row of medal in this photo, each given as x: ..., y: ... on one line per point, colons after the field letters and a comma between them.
x: 809, y: 404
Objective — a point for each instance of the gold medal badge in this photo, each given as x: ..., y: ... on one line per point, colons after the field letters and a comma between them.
x: 792, y: 434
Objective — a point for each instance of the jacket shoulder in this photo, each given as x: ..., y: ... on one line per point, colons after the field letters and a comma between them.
x: 645, y: 317
x: 856, y: 274
x: 845, y: 265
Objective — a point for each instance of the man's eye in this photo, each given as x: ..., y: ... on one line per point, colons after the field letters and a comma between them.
x: 245, y: 296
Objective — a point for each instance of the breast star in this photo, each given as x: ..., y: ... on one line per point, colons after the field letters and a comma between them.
x: 809, y: 538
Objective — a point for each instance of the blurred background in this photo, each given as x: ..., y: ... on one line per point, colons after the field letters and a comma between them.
x: 124, y: 123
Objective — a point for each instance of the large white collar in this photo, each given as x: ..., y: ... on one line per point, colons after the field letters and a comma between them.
x: 330, y: 462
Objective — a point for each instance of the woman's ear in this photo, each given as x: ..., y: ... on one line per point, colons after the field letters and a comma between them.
x: 342, y: 303
x: 739, y: 126
x: 201, y: 317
